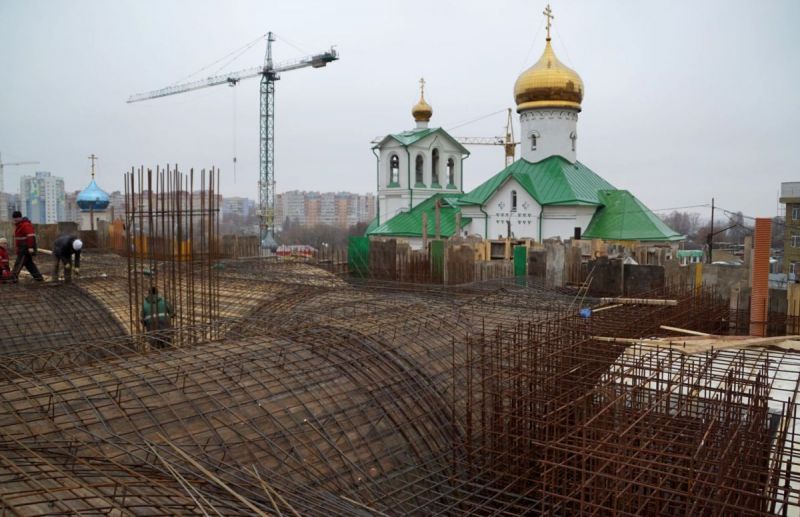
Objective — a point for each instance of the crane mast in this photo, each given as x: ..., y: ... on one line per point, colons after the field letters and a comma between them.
x: 269, y: 73
x: 266, y: 159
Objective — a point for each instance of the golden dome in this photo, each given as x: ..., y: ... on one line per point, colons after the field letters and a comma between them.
x: 548, y: 84
x: 422, y: 111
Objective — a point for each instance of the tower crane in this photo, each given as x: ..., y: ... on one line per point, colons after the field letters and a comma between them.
x: 9, y: 164
x: 269, y: 72
x: 507, y: 141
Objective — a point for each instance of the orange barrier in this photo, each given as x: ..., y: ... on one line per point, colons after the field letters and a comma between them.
x: 760, y: 289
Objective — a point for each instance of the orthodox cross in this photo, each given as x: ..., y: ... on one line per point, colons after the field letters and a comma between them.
x: 422, y: 87
x: 93, y: 158
x: 549, y: 15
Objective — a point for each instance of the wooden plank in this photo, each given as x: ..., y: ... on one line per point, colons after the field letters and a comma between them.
x: 639, y: 301
x: 684, y: 331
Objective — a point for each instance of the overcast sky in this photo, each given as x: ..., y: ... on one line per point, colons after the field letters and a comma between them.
x: 684, y: 100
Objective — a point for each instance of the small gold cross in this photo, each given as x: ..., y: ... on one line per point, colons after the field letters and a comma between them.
x: 549, y: 14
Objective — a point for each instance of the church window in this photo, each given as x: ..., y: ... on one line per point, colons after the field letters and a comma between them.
x: 435, y: 167
x: 513, y: 200
x: 573, y: 137
x: 394, y: 165
x: 451, y: 172
x: 534, y: 136
x: 418, y: 170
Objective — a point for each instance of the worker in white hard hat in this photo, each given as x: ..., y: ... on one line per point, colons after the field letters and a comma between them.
x: 5, y: 269
x: 64, y: 248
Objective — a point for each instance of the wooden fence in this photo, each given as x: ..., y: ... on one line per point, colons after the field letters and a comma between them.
x: 444, y: 263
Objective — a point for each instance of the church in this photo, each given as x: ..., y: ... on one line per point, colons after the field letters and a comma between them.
x: 547, y: 193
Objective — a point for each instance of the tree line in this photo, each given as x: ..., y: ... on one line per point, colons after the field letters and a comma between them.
x: 732, y: 228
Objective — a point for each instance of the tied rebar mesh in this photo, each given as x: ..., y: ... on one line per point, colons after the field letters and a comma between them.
x: 172, y: 244
x: 324, y: 397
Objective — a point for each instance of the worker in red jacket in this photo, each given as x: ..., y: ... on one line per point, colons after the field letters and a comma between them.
x: 5, y: 269
x: 25, y: 242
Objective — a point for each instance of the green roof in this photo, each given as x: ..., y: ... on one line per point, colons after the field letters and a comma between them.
x: 623, y: 217
x: 371, y: 226
x: 411, y: 136
x: 409, y: 224
x: 552, y: 181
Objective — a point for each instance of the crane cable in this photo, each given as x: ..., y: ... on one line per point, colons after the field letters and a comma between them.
x: 464, y: 123
x: 234, y: 132
x: 296, y: 47
x: 239, y: 50
x: 237, y: 56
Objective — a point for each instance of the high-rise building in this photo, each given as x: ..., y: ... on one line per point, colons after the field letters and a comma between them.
x: 42, y: 197
x: 71, y: 211
x: 117, y: 205
x: 238, y: 206
x: 5, y: 211
x: 342, y: 209
x: 790, y: 196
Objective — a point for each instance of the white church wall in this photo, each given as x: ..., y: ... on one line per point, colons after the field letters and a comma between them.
x: 560, y: 221
x: 554, y: 129
x: 524, y: 220
x: 478, y: 224
x: 85, y: 222
x: 392, y: 205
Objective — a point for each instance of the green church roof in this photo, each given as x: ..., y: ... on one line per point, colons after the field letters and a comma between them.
x: 623, y: 217
x: 552, y: 181
x: 371, y: 226
x: 411, y: 136
x: 409, y: 224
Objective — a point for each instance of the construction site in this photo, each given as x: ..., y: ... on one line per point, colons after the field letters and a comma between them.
x: 539, y: 342
x: 315, y: 386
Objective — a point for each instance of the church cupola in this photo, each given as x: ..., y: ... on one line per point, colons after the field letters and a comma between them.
x: 548, y: 97
x: 422, y: 111
x: 93, y: 198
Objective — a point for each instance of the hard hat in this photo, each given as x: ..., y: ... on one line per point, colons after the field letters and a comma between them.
x: 77, y: 244
x: 3, y: 242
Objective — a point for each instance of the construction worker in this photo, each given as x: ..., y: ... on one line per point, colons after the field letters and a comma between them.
x: 157, y: 314
x: 63, y: 249
x: 5, y: 269
x: 25, y: 243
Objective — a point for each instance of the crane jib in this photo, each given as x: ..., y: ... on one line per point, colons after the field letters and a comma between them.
x: 269, y: 73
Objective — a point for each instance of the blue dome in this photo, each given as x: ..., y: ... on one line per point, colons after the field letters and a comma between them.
x: 93, y: 197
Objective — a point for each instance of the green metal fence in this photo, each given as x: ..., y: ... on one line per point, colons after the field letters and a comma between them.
x: 358, y: 256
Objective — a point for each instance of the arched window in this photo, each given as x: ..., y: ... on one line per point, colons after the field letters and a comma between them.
x: 435, y: 168
x: 418, y: 170
x: 394, y: 166
x: 534, y: 136
x: 451, y: 172
x: 573, y: 137
x: 513, y: 200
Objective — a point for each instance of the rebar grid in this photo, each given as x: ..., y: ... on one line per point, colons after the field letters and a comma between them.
x: 329, y: 398
x: 561, y: 424
x: 172, y: 229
